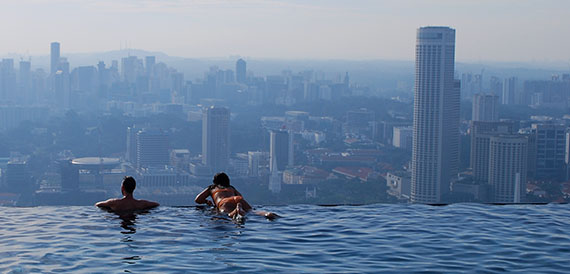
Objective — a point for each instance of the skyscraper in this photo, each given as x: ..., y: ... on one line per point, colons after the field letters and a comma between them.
x: 279, y: 151
x: 485, y: 107
x: 550, y: 150
x: 403, y: 137
x: 54, y: 57
x: 254, y: 158
x: 509, y: 88
x: 149, y: 63
x: 7, y: 79
x: 25, y: 82
x: 481, y: 133
x: 84, y: 79
x: 275, y: 178
x: 508, y: 167
x: 216, y: 138
x: 152, y: 148
x: 60, y: 94
x: 435, y: 152
x: 131, y: 155
x: 131, y: 68
x: 471, y: 84
x: 241, y: 71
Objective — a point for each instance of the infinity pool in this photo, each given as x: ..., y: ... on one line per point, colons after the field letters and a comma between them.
x: 373, y: 238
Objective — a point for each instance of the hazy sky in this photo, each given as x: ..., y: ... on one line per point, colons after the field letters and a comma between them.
x: 487, y: 30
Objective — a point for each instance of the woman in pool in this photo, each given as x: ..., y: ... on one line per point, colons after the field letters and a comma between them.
x: 227, y: 199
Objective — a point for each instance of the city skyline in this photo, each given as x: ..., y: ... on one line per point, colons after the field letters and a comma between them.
x: 284, y: 136
x: 290, y: 28
x: 291, y: 130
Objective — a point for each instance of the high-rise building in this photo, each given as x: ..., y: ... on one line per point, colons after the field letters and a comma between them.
x: 485, y: 107
x: 275, y: 178
x: 131, y: 68
x: 131, y: 155
x: 149, y: 62
x: 25, y: 82
x: 152, y: 148
x: 84, y: 79
x: 435, y: 153
x: 279, y: 144
x: 54, y: 57
x: 508, y: 168
x: 496, y: 86
x: 7, y: 79
x: 481, y: 133
x: 241, y: 71
x: 385, y: 130
x: 550, y: 150
x: 63, y: 65
x: 509, y: 89
x: 471, y: 84
x: 216, y: 138
x: 104, y: 78
x: 59, y: 89
x: 253, y: 159
x: 403, y: 137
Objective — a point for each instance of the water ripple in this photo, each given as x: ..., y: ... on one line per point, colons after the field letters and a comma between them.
x: 371, y: 238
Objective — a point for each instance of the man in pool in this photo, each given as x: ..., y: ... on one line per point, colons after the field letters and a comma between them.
x: 227, y: 199
x: 128, y: 202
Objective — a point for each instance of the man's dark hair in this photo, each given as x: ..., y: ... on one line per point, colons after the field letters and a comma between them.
x: 221, y: 179
x: 129, y: 184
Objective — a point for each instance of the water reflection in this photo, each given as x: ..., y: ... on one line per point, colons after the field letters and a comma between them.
x: 128, y: 222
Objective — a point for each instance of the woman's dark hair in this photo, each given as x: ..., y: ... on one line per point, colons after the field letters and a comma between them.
x: 221, y: 179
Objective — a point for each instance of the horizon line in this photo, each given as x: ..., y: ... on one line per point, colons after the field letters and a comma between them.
x: 558, y: 63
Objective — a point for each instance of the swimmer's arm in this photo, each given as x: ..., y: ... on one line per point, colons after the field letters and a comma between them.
x: 202, y: 198
x: 106, y: 204
x: 237, y: 192
x: 149, y: 204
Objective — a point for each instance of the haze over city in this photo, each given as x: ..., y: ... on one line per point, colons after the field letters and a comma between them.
x: 498, y: 31
x: 284, y: 136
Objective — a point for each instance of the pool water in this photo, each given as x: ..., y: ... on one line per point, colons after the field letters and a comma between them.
x: 308, y: 239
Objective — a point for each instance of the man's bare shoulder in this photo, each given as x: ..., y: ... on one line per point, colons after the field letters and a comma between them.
x: 107, y: 203
x: 147, y: 204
